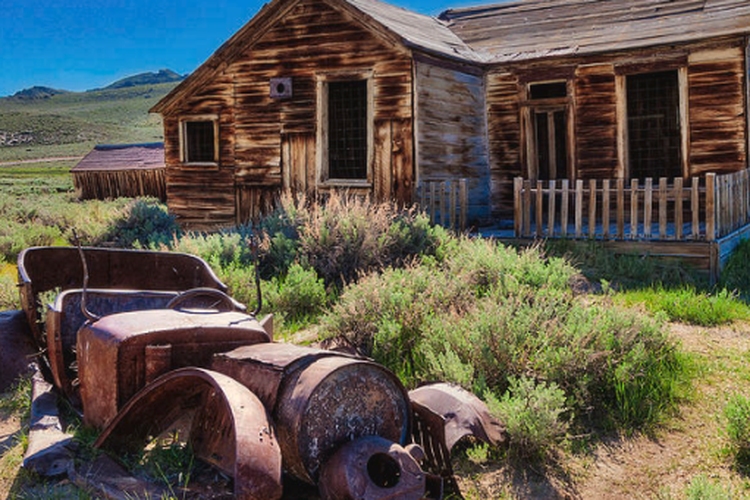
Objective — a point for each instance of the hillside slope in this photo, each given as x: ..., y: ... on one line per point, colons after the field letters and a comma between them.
x: 71, y: 123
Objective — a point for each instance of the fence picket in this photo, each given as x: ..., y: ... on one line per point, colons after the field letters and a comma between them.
x: 592, y: 208
x: 663, y: 208
x: 551, y: 210
x: 605, y: 208
x: 648, y: 207
x: 678, y: 195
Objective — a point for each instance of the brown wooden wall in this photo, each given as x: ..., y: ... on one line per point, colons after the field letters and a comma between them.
x: 451, y: 130
x: 716, y: 122
x: 266, y: 143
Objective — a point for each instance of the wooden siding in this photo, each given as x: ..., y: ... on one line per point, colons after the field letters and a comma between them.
x: 714, y: 100
x: 595, y: 121
x: 716, y: 80
x: 451, y: 128
x: 100, y: 185
x: 271, y: 143
x: 504, y: 139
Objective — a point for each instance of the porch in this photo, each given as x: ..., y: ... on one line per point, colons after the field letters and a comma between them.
x: 699, y: 220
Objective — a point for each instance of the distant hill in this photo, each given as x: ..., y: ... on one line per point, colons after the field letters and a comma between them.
x: 71, y: 123
x: 150, y: 78
x: 36, y: 93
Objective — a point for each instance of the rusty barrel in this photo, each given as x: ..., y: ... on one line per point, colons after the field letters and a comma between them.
x: 320, y: 400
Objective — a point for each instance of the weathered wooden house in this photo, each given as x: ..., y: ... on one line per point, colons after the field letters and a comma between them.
x: 112, y: 171
x: 588, y: 118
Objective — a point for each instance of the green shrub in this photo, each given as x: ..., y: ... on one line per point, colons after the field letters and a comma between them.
x: 689, y: 305
x: 737, y: 427
x: 533, y: 415
x: 344, y: 237
x: 145, y: 223
x: 300, y: 295
x: 701, y: 488
x: 488, y: 313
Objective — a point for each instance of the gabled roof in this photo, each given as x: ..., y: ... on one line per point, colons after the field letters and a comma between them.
x: 105, y: 158
x: 531, y: 29
x: 411, y: 29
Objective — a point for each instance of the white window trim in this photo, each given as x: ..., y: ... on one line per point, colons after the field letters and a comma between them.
x: 323, y: 78
x: 183, y: 143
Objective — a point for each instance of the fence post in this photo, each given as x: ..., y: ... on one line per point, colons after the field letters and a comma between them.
x: 551, y: 210
x: 605, y: 208
x: 678, y: 195
x: 564, y: 207
x: 592, y: 208
x: 633, y: 208
x: 695, y: 206
x: 621, y: 208
x: 517, y: 207
x: 710, y: 207
x: 648, y: 206
x: 539, y: 209
x: 464, y: 203
x: 579, y: 207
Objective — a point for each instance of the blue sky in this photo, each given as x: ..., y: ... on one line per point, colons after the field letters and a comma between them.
x: 84, y: 44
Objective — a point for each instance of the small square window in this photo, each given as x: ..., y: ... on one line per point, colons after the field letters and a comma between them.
x: 199, y: 141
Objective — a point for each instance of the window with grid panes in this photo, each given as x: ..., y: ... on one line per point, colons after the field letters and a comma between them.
x: 347, y: 130
x: 200, y: 145
x: 654, y: 139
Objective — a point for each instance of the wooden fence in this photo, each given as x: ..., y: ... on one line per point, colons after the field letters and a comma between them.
x: 446, y: 202
x: 704, y: 208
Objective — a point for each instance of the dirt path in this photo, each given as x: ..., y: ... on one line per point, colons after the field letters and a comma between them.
x: 38, y: 160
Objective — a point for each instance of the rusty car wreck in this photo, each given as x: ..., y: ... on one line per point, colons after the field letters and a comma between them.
x: 139, y: 340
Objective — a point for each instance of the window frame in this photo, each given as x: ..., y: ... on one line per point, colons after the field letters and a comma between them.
x: 530, y: 108
x: 322, y: 154
x: 214, y: 119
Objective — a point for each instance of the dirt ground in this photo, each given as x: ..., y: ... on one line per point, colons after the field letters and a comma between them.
x: 639, y: 467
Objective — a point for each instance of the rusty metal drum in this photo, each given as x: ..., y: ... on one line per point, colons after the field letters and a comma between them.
x: 335, y: 400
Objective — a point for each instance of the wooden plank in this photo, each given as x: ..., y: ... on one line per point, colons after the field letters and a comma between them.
x: 453, y: 187
x: 710, y: 208
x: 634, y: 208
x: 605, y: 207
x: 579, y: 208
x: 443, y: 205
x: 663, y: 208
x: 433, y: 201
x: 527, y: 208
x: 464, y: 185
x: 564, y: 205
x: 647, y: 206
x: 620, y: 208
x: 592, y: 208
x: 551, y: 210
x: 518, y: 206
x: 539, y: 209
x: 678, y: 196
x: 695, y: 207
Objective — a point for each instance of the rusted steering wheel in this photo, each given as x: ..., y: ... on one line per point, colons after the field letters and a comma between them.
x: 209, y: 298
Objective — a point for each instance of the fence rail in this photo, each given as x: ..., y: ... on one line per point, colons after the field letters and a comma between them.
x: 704, y: 208
x: 446, y: 202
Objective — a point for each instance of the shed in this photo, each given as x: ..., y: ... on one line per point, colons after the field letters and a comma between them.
x: 121, y: 170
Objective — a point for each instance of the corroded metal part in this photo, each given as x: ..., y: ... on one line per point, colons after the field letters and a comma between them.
x: 65, y: 318
x: 112, y: 353
x: 41, y: 269
x: 464, y: 413
x: 443, y: 415
x: 231, y: 428
x: 372, y: 468
x: 48, y: 452
x: 320, y: 399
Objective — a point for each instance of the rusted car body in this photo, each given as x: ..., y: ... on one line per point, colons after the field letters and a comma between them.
x: 141, y: 355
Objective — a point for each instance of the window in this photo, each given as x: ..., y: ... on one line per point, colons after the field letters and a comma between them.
x: 347, y: 130
x: 548, y: 130
x: 654, y: 136
x: 199, y: 140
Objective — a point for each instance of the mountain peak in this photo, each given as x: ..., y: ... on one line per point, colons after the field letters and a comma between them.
x: 148, y: 78
x: 36, y: 92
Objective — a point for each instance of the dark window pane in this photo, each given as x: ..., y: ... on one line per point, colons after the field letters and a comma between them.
x: 654, y: 125
x: 200, y: 141
x: 542, y: 146
x: 548, y: 90
x: 347, y: 130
